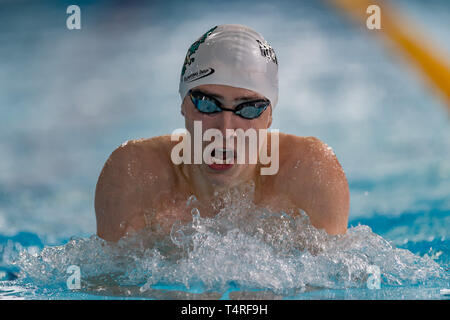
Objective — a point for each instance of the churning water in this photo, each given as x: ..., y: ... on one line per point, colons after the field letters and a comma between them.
x: 69, y: 98
x: 244, y: 248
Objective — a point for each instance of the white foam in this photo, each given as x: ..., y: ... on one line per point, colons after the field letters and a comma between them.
x: 243, y: 245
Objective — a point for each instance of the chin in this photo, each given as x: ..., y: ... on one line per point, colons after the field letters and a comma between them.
x: 228, y: 177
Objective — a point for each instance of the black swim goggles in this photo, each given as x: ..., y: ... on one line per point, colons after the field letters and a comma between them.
x: 210, y: 105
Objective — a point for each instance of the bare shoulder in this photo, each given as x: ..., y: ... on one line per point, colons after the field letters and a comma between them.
x: 315, y: 181
x: 134, y: 169
x: 306, y: 152
x: 134, y: 159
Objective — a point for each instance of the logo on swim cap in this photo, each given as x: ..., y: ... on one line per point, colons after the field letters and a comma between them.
x: 267, y: 51
x: 189, y: 59
x: 198, y: 74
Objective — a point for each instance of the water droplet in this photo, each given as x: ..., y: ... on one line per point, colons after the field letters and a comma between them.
x: 191, y: 200
x: 195, y: 213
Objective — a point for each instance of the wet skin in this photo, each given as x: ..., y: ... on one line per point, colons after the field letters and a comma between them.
x: 140, y: 186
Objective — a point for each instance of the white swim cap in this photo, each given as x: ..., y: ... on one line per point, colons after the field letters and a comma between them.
x: 233, y: 55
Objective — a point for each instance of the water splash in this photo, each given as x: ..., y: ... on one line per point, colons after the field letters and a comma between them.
x: 244, y: 246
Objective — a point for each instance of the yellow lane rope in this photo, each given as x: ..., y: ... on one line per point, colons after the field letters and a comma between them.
x: 405, y: 39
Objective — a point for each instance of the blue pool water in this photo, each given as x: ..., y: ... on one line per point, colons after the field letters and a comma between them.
x: 271, y: 255
x: 68, y: 98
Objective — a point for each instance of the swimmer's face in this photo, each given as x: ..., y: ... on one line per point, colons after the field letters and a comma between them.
x: 229, y: 97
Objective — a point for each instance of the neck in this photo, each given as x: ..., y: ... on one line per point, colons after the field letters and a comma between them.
x: 205, y: 189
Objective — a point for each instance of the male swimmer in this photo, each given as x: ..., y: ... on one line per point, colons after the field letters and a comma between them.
x: 229, y: 81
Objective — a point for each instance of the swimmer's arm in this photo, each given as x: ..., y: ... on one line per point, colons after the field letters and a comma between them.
x: 117, y: 195
x: 320, y: 188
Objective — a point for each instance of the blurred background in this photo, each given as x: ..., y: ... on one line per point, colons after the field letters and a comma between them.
x: 68, y: 98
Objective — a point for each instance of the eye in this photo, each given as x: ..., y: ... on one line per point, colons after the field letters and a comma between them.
x: 249, y: 112
x: 252, y: 110
x: 206, y: 105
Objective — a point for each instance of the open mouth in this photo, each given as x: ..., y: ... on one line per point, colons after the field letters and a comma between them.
x: 219, y: 155
x: 222, y: 159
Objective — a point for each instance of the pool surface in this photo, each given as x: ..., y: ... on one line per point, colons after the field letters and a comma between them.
x: 69, y: 98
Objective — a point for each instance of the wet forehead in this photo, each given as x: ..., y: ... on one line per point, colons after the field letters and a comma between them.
x: 223, y: 92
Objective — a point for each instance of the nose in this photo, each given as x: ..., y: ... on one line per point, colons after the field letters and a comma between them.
x: 226, y: 120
